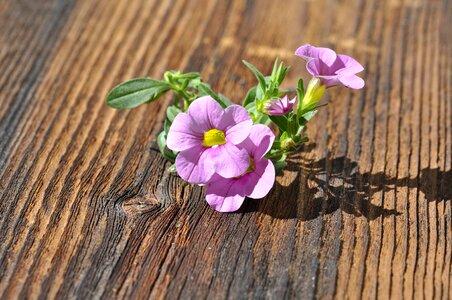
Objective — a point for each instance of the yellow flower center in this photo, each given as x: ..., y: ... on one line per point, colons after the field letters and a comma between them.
x: 251, y: 167
x: 213, y: 137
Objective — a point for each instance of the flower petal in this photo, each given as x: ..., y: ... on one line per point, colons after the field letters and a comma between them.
x: 327, y: 56
x: 229, y: 160
x: 331, y: 68
x: 181, y: 135
x: 225, y: 195
x: 239, y: 132
x: 352, y: 81
x: 259, y: 141
x: 351, y: 66
x: 308, y: 52
x: 313, y: 67
x: 236, y: 122
x: 279, y: 107
x: 262, y: 179
x: 193, y: 166
x: 274, y: 108
x: 206, y: 113
x: 330, y: 81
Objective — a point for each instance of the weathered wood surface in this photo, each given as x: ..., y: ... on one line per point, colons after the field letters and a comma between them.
x: 88, y: 211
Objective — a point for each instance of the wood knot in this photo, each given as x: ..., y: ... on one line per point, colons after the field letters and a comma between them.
x: 140, y: 205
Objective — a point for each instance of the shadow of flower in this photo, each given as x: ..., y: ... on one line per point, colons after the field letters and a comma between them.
x: 324, y: 186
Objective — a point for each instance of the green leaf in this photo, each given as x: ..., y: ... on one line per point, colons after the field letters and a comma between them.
x: 195, y: 82
x: 250, y: 96
x: 279, y: 166
x: 307, y: 108
x: 161, y: 141
x: 251, y: 107
x: 299, y: 132
x: 171, y: 112
x: 260, y: 94
x: 275, y: 70
x: 258, y: 75
x: 282, y: 72
x: 190, y: 75
x: 252, y: 110
x: 300, y: 89
x: 166, y: 125
x: 292, y: 124
x: 308, y: 116
x: 167, y: 153
x: 172, y: 169
x: 134, y: 92
x: 279, y: 161
x: 258, y: 117
x: 303, y: 140
x: 184, y: 84
x: 205, y: 89
x: 225, y: 100
x: 300, y: 96
x: 284, y: 136
x: 262, y: 119
x: 280, y: 121
x: 276, y: 144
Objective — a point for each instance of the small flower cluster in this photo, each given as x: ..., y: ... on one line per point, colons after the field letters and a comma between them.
x: 230, y: 148
x: 221, y: 148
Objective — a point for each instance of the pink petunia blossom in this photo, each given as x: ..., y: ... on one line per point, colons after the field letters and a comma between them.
x: 333, y: 69
x: 228, y: 194
x: 206, y: 137
x: 279, y: 107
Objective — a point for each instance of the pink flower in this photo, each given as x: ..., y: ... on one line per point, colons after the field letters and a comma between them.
x: 228, y: 194
x: 206, y: 137
x: 279, y: 107
x: 333, y: 69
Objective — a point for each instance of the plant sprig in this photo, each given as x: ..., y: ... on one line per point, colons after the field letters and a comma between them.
x: 187, y: 87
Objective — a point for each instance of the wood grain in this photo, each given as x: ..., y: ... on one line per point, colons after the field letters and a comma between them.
x: 88, y: 211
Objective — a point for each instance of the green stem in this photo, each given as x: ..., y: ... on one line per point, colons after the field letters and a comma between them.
x: 276, y: 155
x: 184, y: 95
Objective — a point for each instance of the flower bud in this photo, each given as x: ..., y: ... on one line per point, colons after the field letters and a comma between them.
x: 314, y: 92
x: 288, y: 144
x: 278, y: 107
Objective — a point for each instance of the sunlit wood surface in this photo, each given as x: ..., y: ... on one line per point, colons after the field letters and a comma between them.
x: 88, y: 211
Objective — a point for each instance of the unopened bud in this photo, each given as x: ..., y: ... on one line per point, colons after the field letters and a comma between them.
x: 314, y: 92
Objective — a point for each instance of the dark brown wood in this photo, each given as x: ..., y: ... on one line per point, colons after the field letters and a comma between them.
x: 87, y: 209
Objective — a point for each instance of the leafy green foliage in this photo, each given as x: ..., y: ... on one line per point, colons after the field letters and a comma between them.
x: 205, y: 90
x: 279, y: 72
x: 281, y: 122
x: 250, y: 96
x: 187, y: 87
x: 256, y: 115
x: 300, y: 96
x: 306, y: 116
x: 134, y: 92
x: 167, y: 153
x: 280, y: 164
x: 172, y: 169
x: 260, y: 78
x: 171, y: 112
x: 268, y: 86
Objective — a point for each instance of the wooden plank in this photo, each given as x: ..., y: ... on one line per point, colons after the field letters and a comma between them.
x: 87, y: 209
